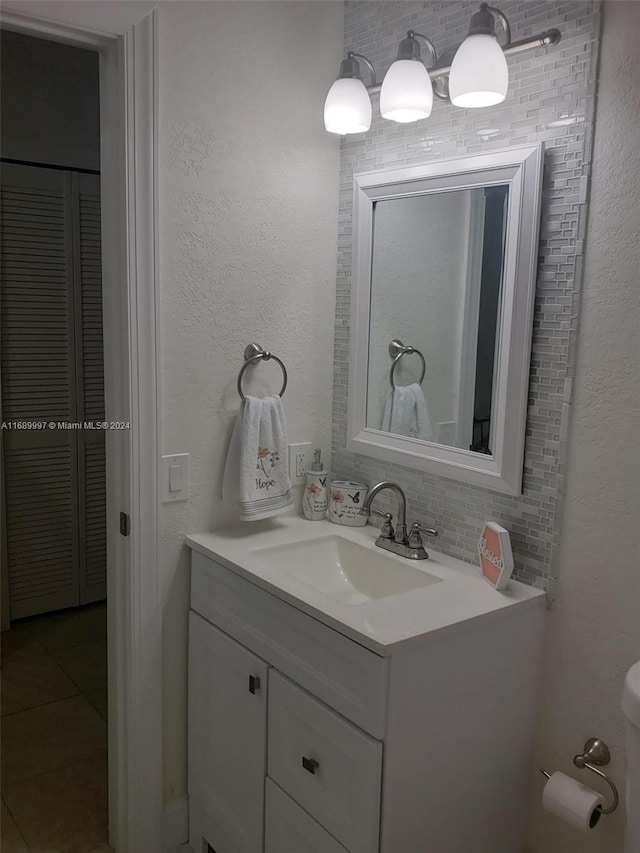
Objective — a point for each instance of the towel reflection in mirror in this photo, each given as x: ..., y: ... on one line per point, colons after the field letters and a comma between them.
x: 406, y: 413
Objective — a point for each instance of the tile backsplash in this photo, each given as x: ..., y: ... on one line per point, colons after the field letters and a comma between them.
x: 551, y: 99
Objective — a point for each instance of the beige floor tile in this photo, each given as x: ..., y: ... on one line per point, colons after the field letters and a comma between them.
x: 86, y: 665
x: 100, y: 701
x: 31, y: 681
x: 64, y: 810
x: 73, y: 627
x: 19, y: 641
x: 11, y: 841
x: 51, y: 736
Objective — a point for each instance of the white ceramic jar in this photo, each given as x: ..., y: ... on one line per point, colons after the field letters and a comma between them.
x: 346, y: 499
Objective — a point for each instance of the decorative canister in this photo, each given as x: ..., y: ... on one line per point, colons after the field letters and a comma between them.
x: 346, y: 498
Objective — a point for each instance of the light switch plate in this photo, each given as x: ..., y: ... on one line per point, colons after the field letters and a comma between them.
x: 175, y: 478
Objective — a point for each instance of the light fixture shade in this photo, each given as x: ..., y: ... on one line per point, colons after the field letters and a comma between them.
x: 406, y: 94
x: 347, y: 108
x: 479, y: 75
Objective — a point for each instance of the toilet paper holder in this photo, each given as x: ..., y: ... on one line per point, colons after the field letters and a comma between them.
x: 596, y: 754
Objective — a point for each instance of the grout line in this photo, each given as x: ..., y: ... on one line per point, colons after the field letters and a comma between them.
x: 73, y: 645
x: 17, y: 825
x: 70, y: 677
x: 46, y: 704
x: 54, y: 770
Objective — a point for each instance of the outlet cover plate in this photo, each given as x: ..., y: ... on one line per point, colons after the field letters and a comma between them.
x: 299, y: 461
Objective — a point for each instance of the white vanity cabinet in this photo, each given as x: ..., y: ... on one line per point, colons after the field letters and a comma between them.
x: 302, y: 740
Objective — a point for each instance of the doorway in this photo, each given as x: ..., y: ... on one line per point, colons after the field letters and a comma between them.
x: 54, y: 669
x: 124, y: 36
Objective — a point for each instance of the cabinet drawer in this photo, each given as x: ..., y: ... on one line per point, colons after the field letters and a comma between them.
x: 328, y: 766
x: 289, y: 829
x: 346, y: 676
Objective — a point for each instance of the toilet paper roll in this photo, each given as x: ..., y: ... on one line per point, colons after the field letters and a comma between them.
x: 571, y: 801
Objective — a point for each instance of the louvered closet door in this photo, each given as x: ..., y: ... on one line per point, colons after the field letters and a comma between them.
x: 52, y: 367
x: 38, y: 359
x: 90, y: 385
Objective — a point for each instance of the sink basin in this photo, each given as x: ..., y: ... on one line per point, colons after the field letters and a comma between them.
x: 347, y: 572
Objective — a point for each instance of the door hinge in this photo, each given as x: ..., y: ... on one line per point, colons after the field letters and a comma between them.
x: 125, y: 524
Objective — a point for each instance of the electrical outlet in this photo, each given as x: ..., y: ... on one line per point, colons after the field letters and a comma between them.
x: 299, y: 461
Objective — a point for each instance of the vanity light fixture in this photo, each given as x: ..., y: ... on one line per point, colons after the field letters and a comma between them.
x: 407, y: 92
x: 477, y: 77
x: 347, y: 108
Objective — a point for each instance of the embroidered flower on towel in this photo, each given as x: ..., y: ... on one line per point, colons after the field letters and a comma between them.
x: 267, y: 460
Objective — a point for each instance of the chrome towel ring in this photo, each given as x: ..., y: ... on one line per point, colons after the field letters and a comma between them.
x: 252, y: 355
x: 396, y: 350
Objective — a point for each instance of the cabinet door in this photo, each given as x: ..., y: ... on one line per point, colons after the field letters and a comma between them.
x: 227, y: 741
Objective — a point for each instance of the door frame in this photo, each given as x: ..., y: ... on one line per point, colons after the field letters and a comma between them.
x: 128, y: 140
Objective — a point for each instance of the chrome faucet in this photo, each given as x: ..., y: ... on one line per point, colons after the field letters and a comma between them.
x: 398, y: 542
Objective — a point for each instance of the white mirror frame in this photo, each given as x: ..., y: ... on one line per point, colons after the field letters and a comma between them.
x: 521, y: 170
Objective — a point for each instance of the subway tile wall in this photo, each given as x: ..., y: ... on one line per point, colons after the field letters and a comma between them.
x: 551, y: 100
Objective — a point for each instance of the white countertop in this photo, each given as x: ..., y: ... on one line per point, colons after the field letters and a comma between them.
x: 383, y: 625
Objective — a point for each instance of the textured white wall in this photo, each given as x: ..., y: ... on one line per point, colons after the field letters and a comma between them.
x: 248, y: 210
x: 417, y: 295
x: 595, y: 626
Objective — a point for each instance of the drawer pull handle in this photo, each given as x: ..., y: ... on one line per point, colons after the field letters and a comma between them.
x: 254, y: 684
x: 310, y: 764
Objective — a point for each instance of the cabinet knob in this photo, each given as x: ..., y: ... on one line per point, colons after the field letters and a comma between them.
x: 310, y: 764
x: 254, y: 683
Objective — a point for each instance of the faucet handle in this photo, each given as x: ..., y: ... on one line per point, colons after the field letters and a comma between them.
x: 430, y: 531
x: 386, y: 531
x: 415, y: 534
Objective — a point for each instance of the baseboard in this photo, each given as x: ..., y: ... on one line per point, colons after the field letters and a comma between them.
x: 175, y: 823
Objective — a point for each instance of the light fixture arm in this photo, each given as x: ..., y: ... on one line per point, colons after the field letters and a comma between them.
x: 505, y: 23
x: 441, y: 88
x: 430, y: 48
x: 351, y: 55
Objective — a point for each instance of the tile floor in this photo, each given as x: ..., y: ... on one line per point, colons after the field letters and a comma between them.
x: 54, y: 733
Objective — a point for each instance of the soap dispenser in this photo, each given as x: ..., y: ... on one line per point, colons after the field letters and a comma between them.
x: 314, y: 500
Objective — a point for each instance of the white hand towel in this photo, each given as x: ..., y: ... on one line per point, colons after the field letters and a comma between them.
x: 256, y: 476
x: 406, y: 413
x: 424, y: 430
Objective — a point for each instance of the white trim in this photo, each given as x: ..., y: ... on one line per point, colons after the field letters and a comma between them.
x: 175, y: 823
x: 521, y: 169
x: 470, y: 316
x: 128, y: 95
x: 52, y: 30
x: 136, y: 744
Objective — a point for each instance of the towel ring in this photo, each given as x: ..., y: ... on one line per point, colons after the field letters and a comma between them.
x: 396, y: 350
x: 252, y: 355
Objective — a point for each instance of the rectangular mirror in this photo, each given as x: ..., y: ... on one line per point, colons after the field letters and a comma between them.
x: 442, y: 298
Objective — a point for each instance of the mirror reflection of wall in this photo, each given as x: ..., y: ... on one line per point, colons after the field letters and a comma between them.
x: 437, y: 266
